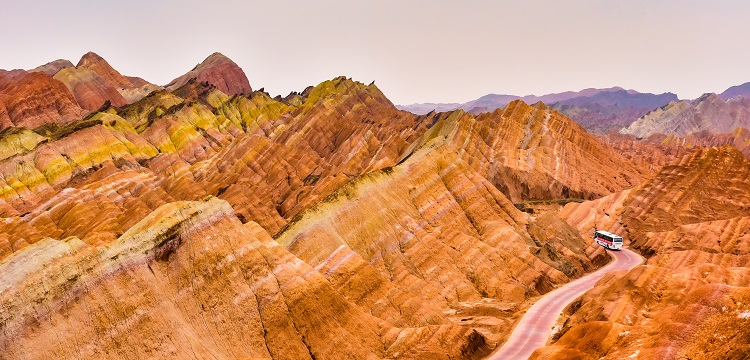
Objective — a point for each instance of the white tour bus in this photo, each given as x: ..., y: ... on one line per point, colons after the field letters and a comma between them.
x: 608, y: 239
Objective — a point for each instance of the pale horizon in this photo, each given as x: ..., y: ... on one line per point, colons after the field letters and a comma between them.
x: 416, y: 52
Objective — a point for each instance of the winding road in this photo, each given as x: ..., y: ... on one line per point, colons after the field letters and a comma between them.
x: 534, y: 328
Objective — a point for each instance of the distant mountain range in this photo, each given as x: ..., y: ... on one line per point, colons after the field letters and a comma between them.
x: 597, y: 110
x: 734, y: 91
x: 628, y: 111
x: 681, y: 118
x: 494, y: 101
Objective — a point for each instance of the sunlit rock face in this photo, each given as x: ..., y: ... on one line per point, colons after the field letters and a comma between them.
x: 692, y: 222
x: 738, y: 138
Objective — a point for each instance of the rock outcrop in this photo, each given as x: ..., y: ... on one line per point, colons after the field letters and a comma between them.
x: 130, y: 88
x: 342, y: 129
x: 33, y: 99
x: 738, y: 138
x: 536, y: 153
x: 218, y: 70
x: 101, y: 67
x: 89, y: 89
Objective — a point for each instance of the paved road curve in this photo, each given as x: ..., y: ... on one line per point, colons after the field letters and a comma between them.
x: 534, y: 328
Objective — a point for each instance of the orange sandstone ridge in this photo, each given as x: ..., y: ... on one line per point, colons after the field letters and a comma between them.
x: 34, y: 99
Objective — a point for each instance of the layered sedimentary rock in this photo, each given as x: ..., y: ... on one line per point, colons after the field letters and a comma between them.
x: 34, y: 99
x: 597, y: 110
x: 18, y: 141
x: 101, y: 67
x: 534, y: 152
x: 89, y: 90
x: 432, y: 236
x: 689, y: 300
x: 708, y: 112
x: 193, y: 281
x: 738, y: 138
x: 130, y: 88
x: 343, y: 129
x: 649, y: 154
x: 217, y: 70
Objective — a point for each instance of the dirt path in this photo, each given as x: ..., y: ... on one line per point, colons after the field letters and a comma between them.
x: 534, y: 328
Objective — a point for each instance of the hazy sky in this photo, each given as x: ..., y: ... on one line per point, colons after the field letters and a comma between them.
x: 416, y: 51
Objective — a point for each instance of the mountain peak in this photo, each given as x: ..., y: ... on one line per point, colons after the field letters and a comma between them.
x: 218, y: 70
x: 734, y: 91
x: 101, y: 67
x: 707, y: 97
x: 90, y: 58
x: 216, y: 55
